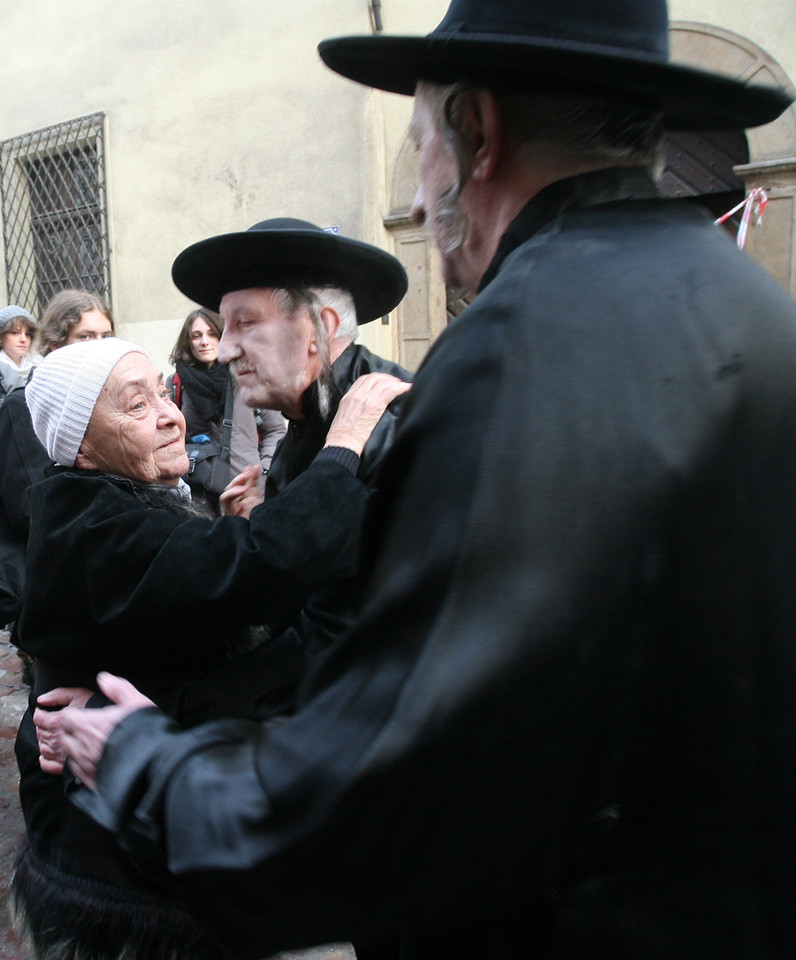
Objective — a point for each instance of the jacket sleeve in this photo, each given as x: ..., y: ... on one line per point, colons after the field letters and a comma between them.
x: 271, y: 432
x: 22, y: 462
x: 145, y: 567
x: 12, y: 571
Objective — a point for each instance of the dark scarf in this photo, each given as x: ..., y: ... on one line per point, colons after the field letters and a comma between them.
x: 208, y: 389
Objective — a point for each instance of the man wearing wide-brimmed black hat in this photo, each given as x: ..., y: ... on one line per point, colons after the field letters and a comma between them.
x: 292, y: 297
x: 562, y: 726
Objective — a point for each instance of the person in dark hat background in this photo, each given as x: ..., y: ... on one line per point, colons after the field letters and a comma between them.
x: 562, y: 723
x: 292, y: 296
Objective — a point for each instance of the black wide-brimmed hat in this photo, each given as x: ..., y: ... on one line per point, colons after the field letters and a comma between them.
x: 290, y: 253
x: 619, y: 47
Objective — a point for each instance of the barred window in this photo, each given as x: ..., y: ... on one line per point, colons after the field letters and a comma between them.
x: 55, y: 224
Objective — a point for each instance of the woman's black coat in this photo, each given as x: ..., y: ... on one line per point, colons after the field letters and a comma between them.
x: 163, y: 598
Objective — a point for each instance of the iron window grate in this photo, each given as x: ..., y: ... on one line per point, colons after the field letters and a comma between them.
x: 54, y: 203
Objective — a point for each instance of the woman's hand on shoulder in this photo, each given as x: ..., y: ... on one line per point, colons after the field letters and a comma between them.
x: 361, y: 409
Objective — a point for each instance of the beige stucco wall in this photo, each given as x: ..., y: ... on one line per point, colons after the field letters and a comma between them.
x: 388, y: 117
x: 219, y: 114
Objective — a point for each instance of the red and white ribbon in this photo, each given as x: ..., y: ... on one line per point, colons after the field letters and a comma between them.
x: 754, y: 203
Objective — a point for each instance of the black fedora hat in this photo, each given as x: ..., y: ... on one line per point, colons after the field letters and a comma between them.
x: 284, y: 252
x: 618, y: 47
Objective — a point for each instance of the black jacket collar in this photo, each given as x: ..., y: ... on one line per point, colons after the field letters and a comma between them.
x: 579, y: 192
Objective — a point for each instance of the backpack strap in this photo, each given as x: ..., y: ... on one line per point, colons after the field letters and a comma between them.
x: 226, y: 431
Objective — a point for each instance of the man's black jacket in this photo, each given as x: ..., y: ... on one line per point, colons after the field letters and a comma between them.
x: 563, y: 724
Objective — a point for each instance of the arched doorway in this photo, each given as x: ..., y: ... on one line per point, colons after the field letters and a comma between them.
x: 703, y: 165
x: 771, y: 149
x: 720, y: 167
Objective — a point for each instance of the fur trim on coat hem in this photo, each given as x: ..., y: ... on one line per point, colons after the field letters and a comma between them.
x: 69, y: 917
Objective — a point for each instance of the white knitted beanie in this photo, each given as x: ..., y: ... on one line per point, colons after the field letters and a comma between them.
x: 62, y: 393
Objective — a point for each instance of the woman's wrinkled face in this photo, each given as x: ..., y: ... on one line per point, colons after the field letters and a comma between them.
x: 16, y: 342
x: 204, y: 341
x: 135, y: 431
x: 92, y: 325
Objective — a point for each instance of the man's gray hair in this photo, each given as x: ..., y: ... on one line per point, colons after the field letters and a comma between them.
x: 315, y: 299
x: 343, y: 303
x: 586, y: 127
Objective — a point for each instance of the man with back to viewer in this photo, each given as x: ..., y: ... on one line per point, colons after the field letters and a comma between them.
x: 562, y: 724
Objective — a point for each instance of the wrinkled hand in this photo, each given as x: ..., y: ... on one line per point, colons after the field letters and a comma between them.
x: 362, y: 408
x: 242, y: 493
x: 52, y: 755
x: 84, y: 733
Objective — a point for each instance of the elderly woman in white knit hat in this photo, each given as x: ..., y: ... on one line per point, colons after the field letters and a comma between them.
x: 123, y: 577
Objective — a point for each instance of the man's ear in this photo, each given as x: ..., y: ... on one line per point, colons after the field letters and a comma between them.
x: 481, y: 123
x: 84, y: 461
x: 330, y: 318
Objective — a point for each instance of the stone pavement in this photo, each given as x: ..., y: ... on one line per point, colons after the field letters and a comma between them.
x: 13, y: 702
